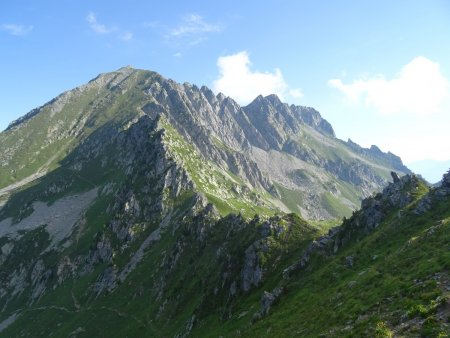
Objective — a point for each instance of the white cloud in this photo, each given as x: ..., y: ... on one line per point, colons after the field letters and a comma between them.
x: 178, y: 55
x: 127, y: 36
x: 420, y: 145
x: 96, y: 26
x: 296, y: 92
x: 16, y: 30
x: 194, y: 24
x: 419, y: 88
x: 193, y: 30
x: 239, y: 81
x: 102, y: 29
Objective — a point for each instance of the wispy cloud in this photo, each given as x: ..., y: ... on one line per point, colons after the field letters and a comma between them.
x: 194, y: 24
x: 193, y: 29
x: 151, y: 24
x: 127, y: 36
x: 419, y: 88
x: 96, y: 26
x: 102, y: 29
x: 16, y: 30
x: 238, y: 80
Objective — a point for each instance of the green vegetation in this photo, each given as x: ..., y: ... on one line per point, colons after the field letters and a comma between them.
x: 396, y: 284
x: 292, y: 199
x: 399, y: 275
x: 57, y: 130
x: 334, y: 206
x: 128, y: 306
x: 149, y: 256
x: 225, y: 190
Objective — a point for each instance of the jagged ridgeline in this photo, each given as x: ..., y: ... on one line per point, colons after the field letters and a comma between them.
x: 136, y: 206
x: 264, y: 158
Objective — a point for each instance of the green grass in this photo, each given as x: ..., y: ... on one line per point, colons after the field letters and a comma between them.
x: 42, y: 142
x: 334, y: 206
x: 332, y: 299
x: 191, y: 269
x: 189, y: 286
x: 291, y: 198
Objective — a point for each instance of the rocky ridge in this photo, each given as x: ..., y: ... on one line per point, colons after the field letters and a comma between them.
x: 184, y: 225
x: 326, y: 172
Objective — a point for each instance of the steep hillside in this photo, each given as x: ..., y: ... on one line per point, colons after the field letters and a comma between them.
x: 137, y: 206
x: 384, y: 272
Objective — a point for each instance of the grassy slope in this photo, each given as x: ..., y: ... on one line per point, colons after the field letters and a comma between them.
x: 43, y: 141
x: 331, y: 150
x: 132, y: 310
x: 399, y: 283
x: 334, y: 149
x: 393, y: 279
x: 393, y: 276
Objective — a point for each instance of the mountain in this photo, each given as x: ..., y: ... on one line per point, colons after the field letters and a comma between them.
x: 279, y: 157
x: 136, y: 206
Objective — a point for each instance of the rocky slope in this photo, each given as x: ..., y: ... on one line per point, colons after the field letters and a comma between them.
x: 384, y: 272
x: 137, y: 206
x: 288, y: 155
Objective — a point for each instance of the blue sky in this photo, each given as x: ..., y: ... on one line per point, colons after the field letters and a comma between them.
x: 379, y: 71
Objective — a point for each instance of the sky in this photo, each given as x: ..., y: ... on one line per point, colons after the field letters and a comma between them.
x: 378, y: 71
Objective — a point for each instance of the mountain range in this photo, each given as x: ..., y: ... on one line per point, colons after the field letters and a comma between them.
x: 137, y: 206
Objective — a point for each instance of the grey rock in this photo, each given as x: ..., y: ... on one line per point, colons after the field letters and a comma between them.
x: 107, y: 281
x: 17, y: 281
x: 349, y: 261
x: 395, y: 177
x: 39, y: 278
x: 443, y: 190
x: 8, y: 321
x: 321, y: 244
x: 424, y: 205
x: 233, y: 289
x: 268, y: 299
x: 251, y: 274
x: 7, y: 248
x: 445, y: 183
x: 66, y: 269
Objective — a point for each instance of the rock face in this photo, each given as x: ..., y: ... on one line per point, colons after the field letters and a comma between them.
x: 436, y: 194
x: 268, y: 299
x: 395, y: 177
x: 444, y: 189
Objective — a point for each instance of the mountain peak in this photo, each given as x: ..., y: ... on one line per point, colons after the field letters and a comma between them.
x: 258, y: 99
x: 127, y: 67
x: 273, y: 99
x: 221, y: 96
